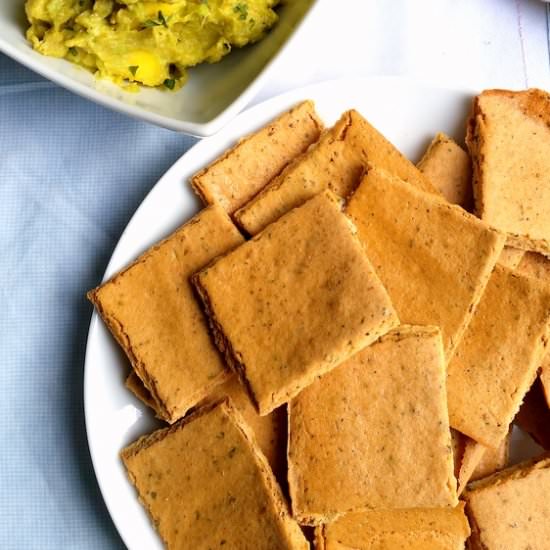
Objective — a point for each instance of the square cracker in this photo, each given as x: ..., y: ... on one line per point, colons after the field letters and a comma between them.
x: 203, y: 476
x: 511, y: 509
x: 151, y: 310
x: 295, y: 301
x: 496, y: 362
x: 447, y: 166
x: 413, y: 529
x: 509, y: 141
x: 433, y: 257
x: 235, y: 177
x: 335, y: 162
x: 537, y: 265
x: 374, y: 432
x: 270, y: 430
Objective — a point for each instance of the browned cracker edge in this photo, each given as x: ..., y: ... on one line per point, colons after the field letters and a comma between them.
x: 528, y: 244
x: 221, y: 341
x: 474, y: 143
x: 196, y: 182
x: 117, y: 330
x: 146, y: 441
x: 340, y: 128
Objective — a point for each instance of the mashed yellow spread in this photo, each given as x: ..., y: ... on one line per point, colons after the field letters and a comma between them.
x: 143, y: 41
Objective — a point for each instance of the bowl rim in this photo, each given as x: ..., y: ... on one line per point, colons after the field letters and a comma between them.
x: 192, y: 128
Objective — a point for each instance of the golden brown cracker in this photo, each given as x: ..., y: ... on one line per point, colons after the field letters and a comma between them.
x: 205, y: 485
x: 433, y: 258
x: 509, y: 141
x: 496, y: 362
x: 447, y: 166
x: 413, y: 529
x: 358, y: 437
x: 333, y: 162
x: 235, y: 177
x: 510, y: 509
x: 151, y: 310
x: 336, y: 162
x: 295, y: 301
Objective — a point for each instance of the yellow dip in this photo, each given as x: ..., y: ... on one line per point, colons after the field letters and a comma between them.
x: 143, y: 41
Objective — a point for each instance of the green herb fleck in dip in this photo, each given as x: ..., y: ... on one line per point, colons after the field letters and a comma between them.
x: 143, y: 41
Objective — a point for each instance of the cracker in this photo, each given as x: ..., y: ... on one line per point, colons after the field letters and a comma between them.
x: 374, y: 433
x: 433, y: 257
x: 413, y: 529
x: 479, y: 461
x: 151, y: 310
x: 295, y: 301
x: 509, y: 141
x: 534, y: 416
x: 537, y: 265
x: 447, y: 166
x: 336, y: 162
x: 497, y: 359
x: 270, y: 431
x: 510, y: 509
x: 235, y: 177
x: 511, y: 257
x: 205, y: 485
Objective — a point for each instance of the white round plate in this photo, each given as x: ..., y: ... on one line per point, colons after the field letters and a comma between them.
x: 408, y: 113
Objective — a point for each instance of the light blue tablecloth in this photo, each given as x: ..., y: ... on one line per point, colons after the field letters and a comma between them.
x: 71, y: 175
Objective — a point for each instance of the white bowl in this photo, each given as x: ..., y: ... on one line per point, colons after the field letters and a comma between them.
x: 213, y: 95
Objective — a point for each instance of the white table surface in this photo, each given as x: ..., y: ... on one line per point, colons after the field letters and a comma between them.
x: 470, y: 44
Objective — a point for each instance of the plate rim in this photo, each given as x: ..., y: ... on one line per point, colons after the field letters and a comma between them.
x: 113, y: 265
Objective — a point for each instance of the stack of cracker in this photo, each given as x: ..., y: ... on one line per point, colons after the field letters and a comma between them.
x: 356, y: 364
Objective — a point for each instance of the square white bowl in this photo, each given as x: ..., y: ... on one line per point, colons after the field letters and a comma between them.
x: 213, y: 95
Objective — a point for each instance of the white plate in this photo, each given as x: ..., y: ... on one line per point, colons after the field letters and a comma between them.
x: 408, y: 113
x: 214, y: 93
